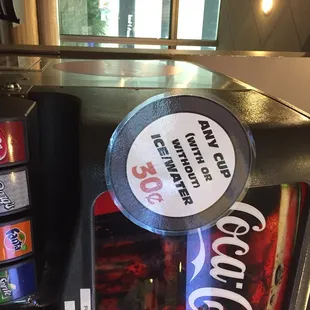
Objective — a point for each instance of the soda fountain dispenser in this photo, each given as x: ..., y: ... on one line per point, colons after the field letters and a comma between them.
x: 150, y: 184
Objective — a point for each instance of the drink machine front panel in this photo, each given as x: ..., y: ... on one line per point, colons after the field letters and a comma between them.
x: 151, y: 198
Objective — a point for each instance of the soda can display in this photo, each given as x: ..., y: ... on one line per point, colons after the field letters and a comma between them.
x: 13, y: 146
x: 243, y: 262
x: 17, y: 281
x: 14, y: 191
x: 15, y: 240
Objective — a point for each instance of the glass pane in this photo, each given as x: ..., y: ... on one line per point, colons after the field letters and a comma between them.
x: 198, y: 19
x: 123, y: 18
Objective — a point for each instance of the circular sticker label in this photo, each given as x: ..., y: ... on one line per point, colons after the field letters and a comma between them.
x: 180, y: 164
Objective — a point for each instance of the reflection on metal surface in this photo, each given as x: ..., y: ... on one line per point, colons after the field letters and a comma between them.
x: 186, y: 81
x: 20, y: 63
x: 267, y: 6
x: 12, y: 86
x: 126, y: 68
x: 127, y: 73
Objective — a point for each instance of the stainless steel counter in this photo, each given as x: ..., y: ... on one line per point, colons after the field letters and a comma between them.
x: 122, y: 73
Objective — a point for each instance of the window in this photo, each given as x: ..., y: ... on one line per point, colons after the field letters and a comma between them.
x: 139, y: 23
x: 198, y: 19
x: 115, y: 18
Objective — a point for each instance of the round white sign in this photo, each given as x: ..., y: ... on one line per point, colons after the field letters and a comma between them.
x: 181, y: 164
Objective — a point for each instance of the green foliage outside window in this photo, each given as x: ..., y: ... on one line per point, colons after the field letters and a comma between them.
x: 97, y: 26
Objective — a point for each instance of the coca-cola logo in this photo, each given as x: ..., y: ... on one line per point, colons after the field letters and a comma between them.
x: 223, y: 266
x: 3, y: 146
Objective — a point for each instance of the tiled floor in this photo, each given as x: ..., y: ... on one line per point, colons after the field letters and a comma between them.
x: 243, y: 25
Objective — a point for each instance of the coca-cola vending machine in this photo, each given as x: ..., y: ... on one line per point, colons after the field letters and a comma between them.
x: 150, y: 185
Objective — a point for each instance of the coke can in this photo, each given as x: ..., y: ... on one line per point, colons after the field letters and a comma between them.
x: 243, y: 262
